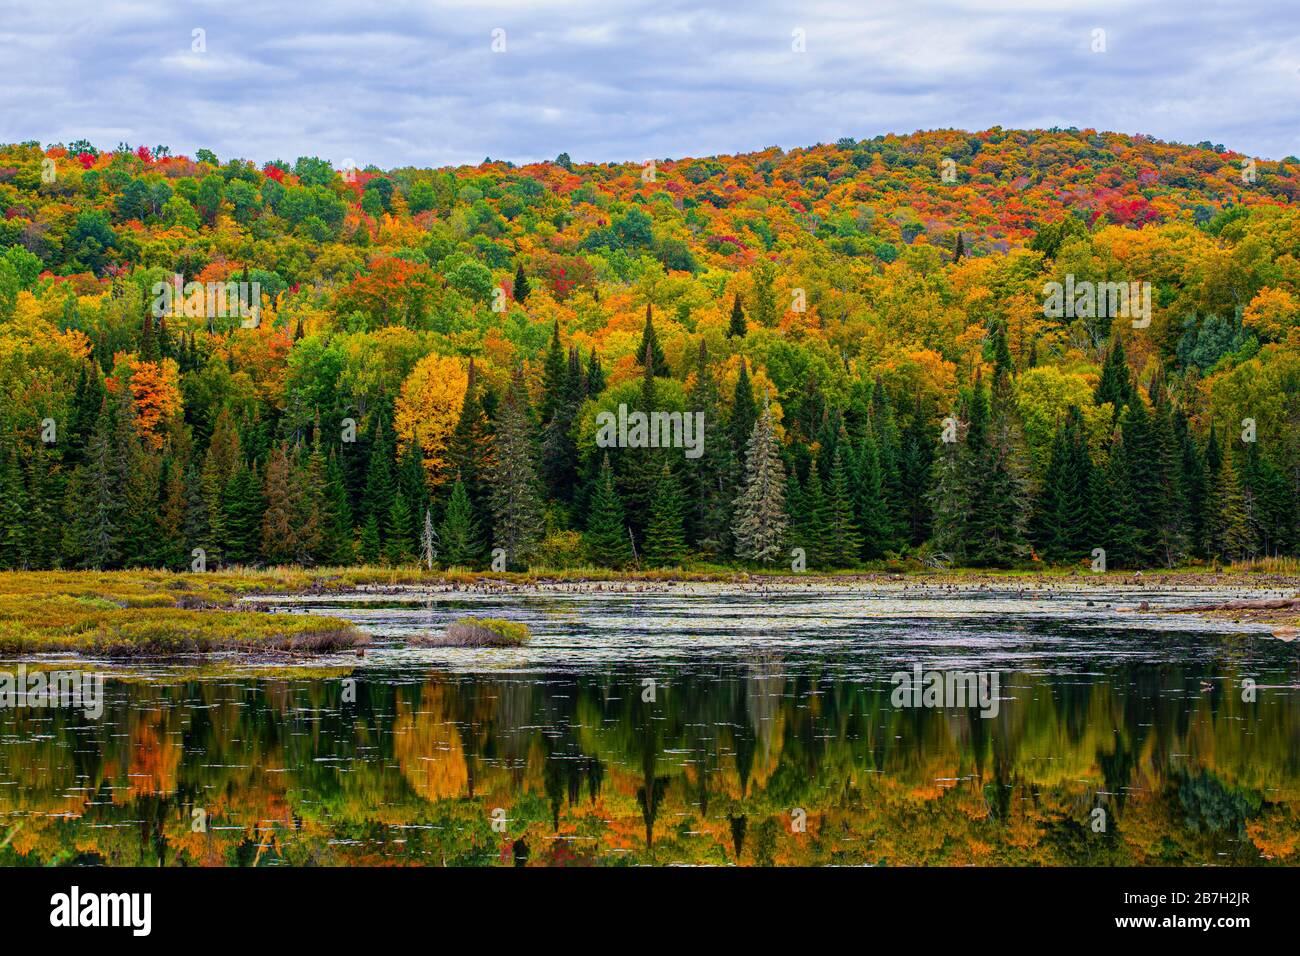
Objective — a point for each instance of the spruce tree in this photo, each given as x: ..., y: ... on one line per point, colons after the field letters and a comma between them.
x: 521, y: 288
x: 810, y: 521
x: 665, y: 538
x: 708, y: 477
x: 280, y: 520
x: 459, y: 532
x: 516, y: 506
x: 737, y: 329
x: 606, y: 539
x: 760, y: 522
x: 650, y: 344
x: 843, y: 543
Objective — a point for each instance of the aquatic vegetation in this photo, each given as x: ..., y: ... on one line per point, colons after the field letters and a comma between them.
x: 480, y: 632
x: 151, y: 613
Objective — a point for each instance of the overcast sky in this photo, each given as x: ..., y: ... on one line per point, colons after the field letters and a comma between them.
x: 418, y: 83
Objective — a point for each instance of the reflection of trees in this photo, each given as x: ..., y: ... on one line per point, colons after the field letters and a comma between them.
x: 707, y: 772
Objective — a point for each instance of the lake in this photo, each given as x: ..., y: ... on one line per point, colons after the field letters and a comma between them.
x: 702, y: 724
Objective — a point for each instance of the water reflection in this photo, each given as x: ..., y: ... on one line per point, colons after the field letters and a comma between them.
x: 715, y: 761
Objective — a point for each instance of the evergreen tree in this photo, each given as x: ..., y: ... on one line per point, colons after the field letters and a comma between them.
x: 606, y: 539
x: 370, y: 548
x: 521, y: 284
x: 869, y: 506
x: 337, y: 544
x: 1227, y: 529
x: 810, y: 521
x: 243, y: 518
x: 516, y: 506
x: 399, y: 531
x: 665, y: 539
x: 381, y: 485
x: 595, y: 375
x: 760, y: 522
x: 470, y: 449
x: 459, y: 533
x: 1116, y: 383
x: 708, y: 478
x: 843, y: 544
x: 744, y: 413
x: 280, y: 519
x: 738, y: 327
x: 650, y: 344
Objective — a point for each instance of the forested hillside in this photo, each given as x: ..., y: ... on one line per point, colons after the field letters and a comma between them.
x: 292, y: 363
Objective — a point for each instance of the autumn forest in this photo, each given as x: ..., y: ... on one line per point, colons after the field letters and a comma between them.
x: 208, y: 361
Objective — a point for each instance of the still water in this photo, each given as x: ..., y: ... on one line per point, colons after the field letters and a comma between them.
x: 701, y: 726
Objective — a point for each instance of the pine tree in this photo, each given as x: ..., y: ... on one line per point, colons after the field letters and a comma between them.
x: 595, y: 375
x: 14, y: 505
x: 738, y: 327
x: 470, y: 449
x: 1060, y: 521
x: 99, y: 510
x: 371, y: 548
x: 998, y: 486
x: 555, y: 377
x: 516, y: 506
x: 606, y: 539
x: 559, y: 447
x: 760, y: 522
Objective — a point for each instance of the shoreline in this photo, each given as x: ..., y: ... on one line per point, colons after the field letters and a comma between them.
x: 162, y: 614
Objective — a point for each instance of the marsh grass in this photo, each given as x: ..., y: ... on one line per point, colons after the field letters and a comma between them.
x: 151, y: 613
x: 479, y: 632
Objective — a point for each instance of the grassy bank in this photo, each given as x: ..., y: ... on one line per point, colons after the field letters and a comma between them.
x: 151, y: 613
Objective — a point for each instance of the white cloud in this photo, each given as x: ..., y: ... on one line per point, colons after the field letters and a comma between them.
x: 417, y: 83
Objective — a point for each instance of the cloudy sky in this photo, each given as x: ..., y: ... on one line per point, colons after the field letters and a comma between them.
x: 420, y: 83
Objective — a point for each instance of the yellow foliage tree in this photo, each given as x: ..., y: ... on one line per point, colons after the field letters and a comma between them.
x: 427, y: 409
